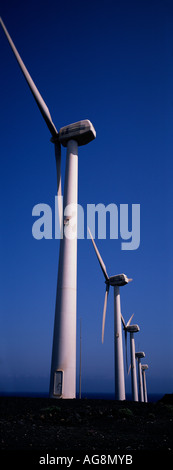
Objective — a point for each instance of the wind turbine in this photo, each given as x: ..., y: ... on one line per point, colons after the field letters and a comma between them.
x: 80, y: 359
x: 139, y: 355
x: 144, y: 367
x: 115, y: 281
x: 63, y: 366
x: 131, y: 329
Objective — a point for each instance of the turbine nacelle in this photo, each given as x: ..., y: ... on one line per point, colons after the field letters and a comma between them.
x: 139, y: 355
x: 82, y: 132
x: 132, y: 328
x: 118, y: 280
x: 144, y: 366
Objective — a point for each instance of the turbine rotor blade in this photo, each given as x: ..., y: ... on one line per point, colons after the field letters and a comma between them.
x: 103, y: 267
x: 38, y: 98
x: 104, y: 311
x: 130, y: 319
x: 129, y: 369
x: 123, y: 321
x: 125, y: 333
x: 126, y: 349
x: 59, y: 189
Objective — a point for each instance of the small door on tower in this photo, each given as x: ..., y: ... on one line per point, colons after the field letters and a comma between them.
x: 58, y: 383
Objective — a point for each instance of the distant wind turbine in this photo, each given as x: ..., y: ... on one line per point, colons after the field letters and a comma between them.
x: 63, y: 367
x: 131, y: 329
x: 80, y: 359
x: 144, y: 367
x: 139, y: 355
x: 115, y: 281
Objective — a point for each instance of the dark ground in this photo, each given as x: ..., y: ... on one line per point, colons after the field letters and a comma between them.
x: 33, y: 427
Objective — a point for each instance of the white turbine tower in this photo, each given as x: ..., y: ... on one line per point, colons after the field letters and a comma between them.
x: 139, y: 355
x: 131, y: 329
x: 144, y: 367
x: 115, y: 281
x: 63, y: 367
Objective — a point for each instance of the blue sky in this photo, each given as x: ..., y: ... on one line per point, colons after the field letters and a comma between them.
x: 110, y: 62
